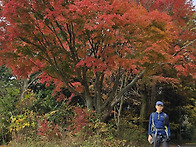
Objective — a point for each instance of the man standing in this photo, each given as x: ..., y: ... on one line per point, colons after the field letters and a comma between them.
x: 158, y: 129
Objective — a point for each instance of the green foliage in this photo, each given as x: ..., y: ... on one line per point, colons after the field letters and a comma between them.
x: 9, y: 93
x: 132, y: 133
x: 39, y: 119
x: 20, y: 115
x: 182, y: 116
x: 25, y: 120
x: 95, y: 134
x: 49, y: 108
x: 187, y: 132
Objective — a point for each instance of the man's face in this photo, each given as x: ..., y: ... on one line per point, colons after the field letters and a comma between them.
x: 159, y: 108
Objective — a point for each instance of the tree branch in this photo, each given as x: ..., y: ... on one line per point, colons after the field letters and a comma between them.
x: 113, y: 90
x: 118, y: 97
x: 182, y: 48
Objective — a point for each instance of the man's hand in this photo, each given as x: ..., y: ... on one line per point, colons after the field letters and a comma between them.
x: 149, y: 138
x: 168, y: 139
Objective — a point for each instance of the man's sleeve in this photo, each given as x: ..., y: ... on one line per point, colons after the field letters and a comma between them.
x: 168, y: 127
x: 149, y: 125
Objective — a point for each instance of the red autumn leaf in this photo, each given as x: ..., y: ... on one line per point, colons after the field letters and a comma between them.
x: 96, y: 42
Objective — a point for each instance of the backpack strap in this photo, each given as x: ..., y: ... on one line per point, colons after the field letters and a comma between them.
x: 166, y: 122
x: 153, y: 128
x: 153, y: 119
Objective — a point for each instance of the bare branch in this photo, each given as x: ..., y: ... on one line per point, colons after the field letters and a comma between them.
x: 118, y: 97
x: 182, y: 48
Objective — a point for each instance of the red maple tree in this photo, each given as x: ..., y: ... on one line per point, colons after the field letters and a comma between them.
x: 88, y: 45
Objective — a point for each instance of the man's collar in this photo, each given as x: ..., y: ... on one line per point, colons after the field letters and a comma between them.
x: 158, y: 112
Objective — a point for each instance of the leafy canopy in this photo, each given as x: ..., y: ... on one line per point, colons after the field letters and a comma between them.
x: 86, y: 45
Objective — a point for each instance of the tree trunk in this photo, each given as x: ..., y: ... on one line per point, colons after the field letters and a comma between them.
x: 108, y: 108
x: 106, y: 114
x: 143, y: 110
x: 89, y: 102
x: 152, y: 100
x: 117, y: 119
x: 27, y: 82
x: 24, y: 88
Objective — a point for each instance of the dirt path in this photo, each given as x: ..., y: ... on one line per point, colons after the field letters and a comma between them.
x: 187, y: 145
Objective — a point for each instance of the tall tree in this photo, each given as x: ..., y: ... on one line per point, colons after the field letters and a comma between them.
x: 87, y: 45
x: 182, y: 14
